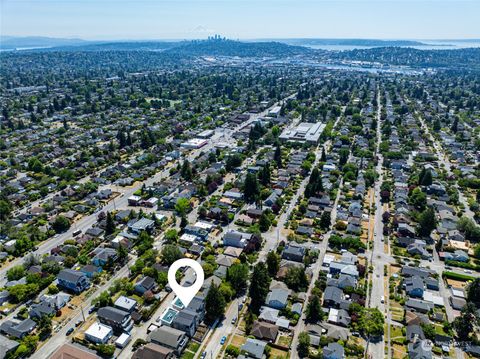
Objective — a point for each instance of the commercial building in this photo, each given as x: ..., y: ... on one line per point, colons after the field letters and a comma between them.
x: 303, y: 132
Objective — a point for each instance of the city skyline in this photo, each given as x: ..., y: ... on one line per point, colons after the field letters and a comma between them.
x: 148, y: 20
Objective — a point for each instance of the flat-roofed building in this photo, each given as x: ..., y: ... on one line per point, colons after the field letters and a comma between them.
x: 303, y: 132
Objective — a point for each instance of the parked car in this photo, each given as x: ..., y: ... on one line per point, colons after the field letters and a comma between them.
x: 222, y: 341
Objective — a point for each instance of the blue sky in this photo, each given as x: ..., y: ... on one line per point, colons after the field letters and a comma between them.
x: 241, y: 19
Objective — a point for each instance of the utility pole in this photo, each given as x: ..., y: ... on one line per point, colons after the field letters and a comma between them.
x: 83, y: 314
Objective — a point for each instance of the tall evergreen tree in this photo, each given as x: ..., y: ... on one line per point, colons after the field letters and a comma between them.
x: 259, y: 286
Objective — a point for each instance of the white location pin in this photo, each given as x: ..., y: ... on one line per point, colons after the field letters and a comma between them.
x: 185, y: 294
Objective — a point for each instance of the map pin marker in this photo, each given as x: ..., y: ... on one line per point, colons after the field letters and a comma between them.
x: 185, y: 294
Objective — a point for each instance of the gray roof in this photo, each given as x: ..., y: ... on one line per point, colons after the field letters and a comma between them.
x: 70, y: 275
x: 333, y: 294
x: 167, y: 336
x: 333, y: 351
x: 280, y: 295
x: 254, y: 347
x: 7, y: 345
x: 111, y: 313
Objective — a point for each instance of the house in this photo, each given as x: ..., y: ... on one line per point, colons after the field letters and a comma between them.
x: 126, y: 304
x: 153, y: 351
x: 406, y: 230
x: 90, y: 270
x: 72, y: 280
x: 254, y: 348
x: 94, y: 232
x: 269, y: 315
x: 145, y: 284
x: 104, y: 256
x: 457, y: 303
x: 333, y: 351
x: 414, y: 271
x: 414, y: 332
x: 170, y: 338
x: 277, y: 298
x: 458, y: 255
x: 197, y: 305
x: 414, y: 286
x: 143, y: 224
x: 264, y: 331
x: 7, y: 346
x: 332, y: 296
x: 73, y: 351
x: 236, y: 239
x: 18, y: 329
x: 418, y: 248
x: 346, y: 281
x: 339, y: 317
x: 49, y: 305
x: 293, y: 253
x: 98, y: 333
x: 119, y: 320
x: 419, y: 305
x: 421, y: 349
x: 187, y: 321
x: 432, y: 283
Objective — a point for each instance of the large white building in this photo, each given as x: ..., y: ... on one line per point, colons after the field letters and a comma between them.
x: 99, y: 333
x: 303, y: 132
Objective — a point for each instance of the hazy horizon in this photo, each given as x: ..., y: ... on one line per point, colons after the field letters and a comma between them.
x: 107, y: 20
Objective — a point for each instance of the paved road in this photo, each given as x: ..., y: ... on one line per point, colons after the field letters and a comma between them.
x: 377, y: 349
x: 322, y: 248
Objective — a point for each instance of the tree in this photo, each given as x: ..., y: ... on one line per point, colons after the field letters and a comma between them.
x: 251, y: 188
x: 264, y: 222
x: 427, y: 222
x: 214, y: 304
x: 122, y: 253
x: 106, y: 350
x: 237, y: 275
x: 170, y: 253
x: 418, y: 199
x: 473, y: 292
x: 277, y: 156
x: 325, y: 220
x: 16, y: 272
x: 103, y: 300
x: 44, y: 326
x: 303, y: 348
x: 371, y: 322
x: 264, y: 175
x: 110, y: 224
x: 429, y: 331
x: 273, y: 263
x: 171, y: 235
x: 469, y: 228
x: 183, y: 221
x: 425, y: 177
x: 61, y: 224
x: 296, y: 279
x: 259, y: 286
x: 186, y: 171
x: 5, y: 209
x: 314, y: 312
x: 465, y: 322
x: 182, y: 206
